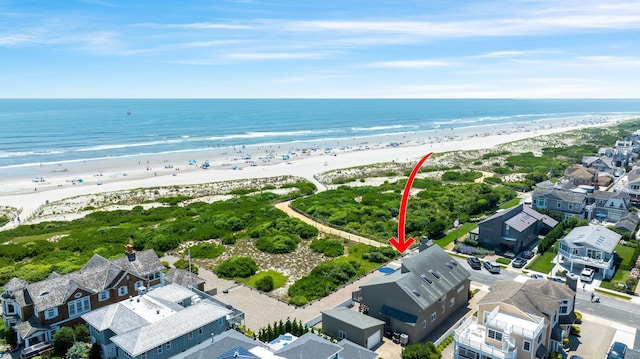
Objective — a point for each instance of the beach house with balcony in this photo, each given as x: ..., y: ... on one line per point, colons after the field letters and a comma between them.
x: 608, y: 206
x: 589, y: 247
x: 37, y: 310
x: 414, y: 300
x: 567, y: 203
x: 517, y: 320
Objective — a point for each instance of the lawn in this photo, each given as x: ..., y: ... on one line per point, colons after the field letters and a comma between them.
x: 543, y: 263
x: 512, y: 203
x: 279, y: 279
x: 459, y: 232
x: 626, y: 254
x: 36, y: 237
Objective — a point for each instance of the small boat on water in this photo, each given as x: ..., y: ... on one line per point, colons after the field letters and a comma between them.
x: 128, y: 112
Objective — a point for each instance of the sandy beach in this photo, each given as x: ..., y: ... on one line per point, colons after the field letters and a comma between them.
x: 29, y: 187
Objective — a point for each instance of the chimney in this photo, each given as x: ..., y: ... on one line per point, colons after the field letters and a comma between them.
x: 425, y: 243
x: 131, y: 254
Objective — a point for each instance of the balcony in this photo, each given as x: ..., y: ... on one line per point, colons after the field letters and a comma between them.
x: 586, y: 261
x: 471, y: 335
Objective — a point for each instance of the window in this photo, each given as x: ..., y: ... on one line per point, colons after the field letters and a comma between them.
x: 539, y: 338
x: 541, y: 203
x: 155, y: 275
x: 11, y: 308
x: 526, y: 346
x: 102, y: 296
x: 168, y: 346
x: 199, y: 331
x: 159, y: 349
x: 79, y: 306
x: 564, y: 306
x: 221, y: 321
x: 51, y: 313
x: 570, y: 206
x: 123, y: 290
x: 495, y: 335
x: 433, y: 317
x: 559, y: 204
x: 342, y: 334
x: 190, y: 335
x: 137, y: 285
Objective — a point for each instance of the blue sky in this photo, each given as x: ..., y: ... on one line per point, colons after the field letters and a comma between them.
x: 319, y: 49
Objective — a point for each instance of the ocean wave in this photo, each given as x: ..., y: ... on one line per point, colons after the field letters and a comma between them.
x: 29, y: 153
x: 380, y: 128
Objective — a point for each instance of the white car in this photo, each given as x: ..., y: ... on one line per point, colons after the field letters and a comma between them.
x: 587, y: 275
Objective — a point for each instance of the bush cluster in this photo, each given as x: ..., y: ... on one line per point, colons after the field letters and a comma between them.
x: 322, y: 280
x: 380, y: 254
x: 237, y: 267
x: 328, y: 247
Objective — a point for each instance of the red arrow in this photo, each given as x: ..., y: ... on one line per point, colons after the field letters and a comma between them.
x: 400, y: 244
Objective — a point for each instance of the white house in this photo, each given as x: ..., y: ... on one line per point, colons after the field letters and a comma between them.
x: 592, y: 247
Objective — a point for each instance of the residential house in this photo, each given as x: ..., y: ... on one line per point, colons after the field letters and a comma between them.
x: 156, y: 325
x: 628, y: 223
x: 602, y: 164
x: 344, y: 323
x: 37, y: 310
x: 414, y: 300
x: 184, y: 278
x: 518, y: 320
x: 608, y: 206
x: 632, y: 186
x: 581, y: 176
x: 567, y: 203
x: 232, y: 344
x: 589, y: 246
x: 515, y: 229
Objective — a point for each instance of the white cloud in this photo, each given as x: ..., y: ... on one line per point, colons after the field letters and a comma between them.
x: 277, y: 55
x: 410, y: 64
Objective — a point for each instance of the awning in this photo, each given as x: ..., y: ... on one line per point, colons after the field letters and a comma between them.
x: 398, y: 315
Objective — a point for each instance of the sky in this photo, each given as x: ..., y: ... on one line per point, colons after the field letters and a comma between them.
x: 319, y: 49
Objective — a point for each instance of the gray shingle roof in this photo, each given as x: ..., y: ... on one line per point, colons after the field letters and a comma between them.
x: 538, y: 297
x: 182, y: 277
x: 97, y: 275
x: 352, y: 317
x: 147, y: 337
x: 594, y: 236
x: 222, y: 343
x: 566, y: 196
x: 427, y: 276
x: 352, y: 350
x: 309, y: 346
x: 15, y: 284
x: 116, y: 317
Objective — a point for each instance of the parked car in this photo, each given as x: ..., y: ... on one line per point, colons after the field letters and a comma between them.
x: 556, y: 279
x: 537, y: 276
x: 587, y: 275
x: 492, y: 267
x: 519, y: 263
x: 576, y: 357
x: 474, y: 263
x: 527, y: 254
x: 617, y: 351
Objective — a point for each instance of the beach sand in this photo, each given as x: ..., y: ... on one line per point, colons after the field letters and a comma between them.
x: 65, y: 180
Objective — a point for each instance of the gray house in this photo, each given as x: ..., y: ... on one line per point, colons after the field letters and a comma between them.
x: 344, y: 323
x: 608, y: 206
x: 567, y: 203
x: 156, y: 325
x: 515, y: 229
x: 590, y: 246
x: 414, y: 300
x: 632, y: 187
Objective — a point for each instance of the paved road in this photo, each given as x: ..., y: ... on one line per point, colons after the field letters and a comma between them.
x: 286, y: 208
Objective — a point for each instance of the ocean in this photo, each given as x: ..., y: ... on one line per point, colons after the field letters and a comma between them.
x: 41, y: 131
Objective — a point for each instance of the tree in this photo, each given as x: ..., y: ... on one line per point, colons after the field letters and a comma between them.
x: 63, y: 340
x: 421, y: 351
x: 82, y: 333
x: 78, y: 350
x: 242, y: 267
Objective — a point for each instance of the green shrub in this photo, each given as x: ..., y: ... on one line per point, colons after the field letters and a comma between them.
x: 578, y: 317
x: 279, y: 243
x: 184, y: 264
x: 575, y: 330
x: 265, y: 284
x: 242, y: 267
x: 503, y: 261
x: 328, y: 247
x: 206, y: 250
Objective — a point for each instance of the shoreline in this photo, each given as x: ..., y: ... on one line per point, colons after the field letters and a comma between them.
x: 18, y: 189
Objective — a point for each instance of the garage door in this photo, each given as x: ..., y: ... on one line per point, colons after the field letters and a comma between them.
x: 373, y: 340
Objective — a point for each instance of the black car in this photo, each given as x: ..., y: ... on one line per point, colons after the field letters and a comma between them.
x: 474, y: 263
x: 617, y: 351
x: 518, y: 263
x: 527, y: 254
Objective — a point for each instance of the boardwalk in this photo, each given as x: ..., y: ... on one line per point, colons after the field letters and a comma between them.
x: 286, y: 208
